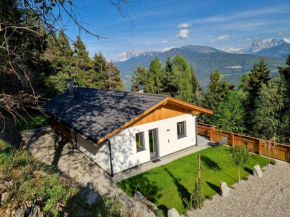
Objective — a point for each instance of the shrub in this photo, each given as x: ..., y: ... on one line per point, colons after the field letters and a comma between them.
x: 273, y: 162
x: 108, y: 207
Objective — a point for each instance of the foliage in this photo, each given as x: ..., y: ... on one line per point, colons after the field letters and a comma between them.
x: 269, y: 105
x: 170, y: 185
x: 139, y: 78
x: 229, y: 114
x: 108, y: 207
x: 154, y: 77
x: 258, y: 76
x: 273, y: 162
x: 197, y: 198
x: 198, y: 96
x: 240, y: 156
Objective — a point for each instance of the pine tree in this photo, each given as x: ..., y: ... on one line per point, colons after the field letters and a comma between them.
x: 114, y: 81
x: 198, y: 96
x: 183, y: 77
x: 217, y: 90
x: 169, y: 83
x: 154, y: 77
x: 269, y: 105
x: 139, y: 78
x: 258, y: 76
x: 86, y: 76
x: 101, y: 69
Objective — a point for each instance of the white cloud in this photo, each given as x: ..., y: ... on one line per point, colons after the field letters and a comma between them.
x: 220, y: 38
x: 183, y: 25
x: 248, y: 39
x: 183, y: 33
x: 170, y: 41
x: 280, y: 33
x: 167, y: 49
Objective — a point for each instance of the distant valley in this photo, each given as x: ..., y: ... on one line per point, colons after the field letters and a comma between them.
x: 205, y: 59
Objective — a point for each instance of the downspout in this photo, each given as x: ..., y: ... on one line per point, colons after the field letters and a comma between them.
x: 196, y: 130
x: 111, y: 159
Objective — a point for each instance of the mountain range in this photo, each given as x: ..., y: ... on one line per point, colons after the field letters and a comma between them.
x: 232, y: 63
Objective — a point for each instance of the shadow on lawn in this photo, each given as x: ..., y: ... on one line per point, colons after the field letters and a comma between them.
x: 248, y: 170
x: 209, y: 163
x: 213, y: 186
x: 182, y: 191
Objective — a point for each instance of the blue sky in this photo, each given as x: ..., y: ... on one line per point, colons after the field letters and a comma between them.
x: 158, y: 25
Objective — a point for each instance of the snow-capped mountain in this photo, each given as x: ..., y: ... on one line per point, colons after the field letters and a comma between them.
x: 236, y: 50
x: 257, y: 44
x: 133, y: 53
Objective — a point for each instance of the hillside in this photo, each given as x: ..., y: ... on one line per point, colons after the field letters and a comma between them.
x: 204, y: 60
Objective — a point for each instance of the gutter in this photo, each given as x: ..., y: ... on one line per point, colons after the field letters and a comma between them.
x: 111, y: 159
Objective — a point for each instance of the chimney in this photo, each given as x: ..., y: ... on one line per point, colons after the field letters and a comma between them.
x: 70, y: 85
x: 141, y: 88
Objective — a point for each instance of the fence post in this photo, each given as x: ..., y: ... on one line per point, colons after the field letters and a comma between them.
x: 210, y: 133
x: 260, y: 147
x: 233, y: 140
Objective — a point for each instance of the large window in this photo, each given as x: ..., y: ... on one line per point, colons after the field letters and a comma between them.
x: 181, y: 131
x: 140, y: 141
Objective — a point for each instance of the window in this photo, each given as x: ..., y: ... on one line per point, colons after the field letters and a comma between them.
x: 140, y: 141
x: 181, y: 130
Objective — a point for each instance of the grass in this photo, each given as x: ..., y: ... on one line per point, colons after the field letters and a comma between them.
x: 170, y: 185
x: 35, y: 120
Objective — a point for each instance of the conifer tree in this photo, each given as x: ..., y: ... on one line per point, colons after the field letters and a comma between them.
x: 269, y: 105
x: 86, y: 76
x: 114, y: 82
x: 183, y: 77
x: 154, y: 77
x: 101, y: 69
x: 258, y: 76
x: 139, y: 78
x: 217, y: 90
x: 169, y: 83
x: 198, y: 96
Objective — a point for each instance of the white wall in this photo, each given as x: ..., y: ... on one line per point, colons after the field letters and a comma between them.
x: 123, y: 145
x: 99, y: 153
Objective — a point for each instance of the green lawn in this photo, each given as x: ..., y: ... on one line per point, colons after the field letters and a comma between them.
x: 170, y: 185
x: 35, y: 120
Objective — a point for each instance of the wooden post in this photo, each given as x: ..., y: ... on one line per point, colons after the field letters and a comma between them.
x: 210, y: 134
x: 260, y: 147
x: 233, y: 140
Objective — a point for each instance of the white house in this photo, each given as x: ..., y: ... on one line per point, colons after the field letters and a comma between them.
x: 121, y: 130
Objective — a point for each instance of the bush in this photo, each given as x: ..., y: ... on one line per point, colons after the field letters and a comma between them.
x: 273, y: 162
x: 108, y: 207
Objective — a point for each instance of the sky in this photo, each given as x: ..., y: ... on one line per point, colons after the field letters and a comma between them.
x: 160, y: 25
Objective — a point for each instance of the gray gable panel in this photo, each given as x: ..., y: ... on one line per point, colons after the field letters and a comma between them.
x: 96, y: 113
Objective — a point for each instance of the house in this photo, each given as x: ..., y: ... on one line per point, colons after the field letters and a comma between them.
x: 121, y: 130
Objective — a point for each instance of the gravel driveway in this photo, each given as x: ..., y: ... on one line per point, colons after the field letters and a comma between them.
x: 265, y: 197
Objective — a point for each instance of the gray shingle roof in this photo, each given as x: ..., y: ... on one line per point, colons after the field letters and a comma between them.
x: 95, y: 113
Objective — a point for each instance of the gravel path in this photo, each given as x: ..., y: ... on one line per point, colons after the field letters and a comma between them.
x: 265, y: 197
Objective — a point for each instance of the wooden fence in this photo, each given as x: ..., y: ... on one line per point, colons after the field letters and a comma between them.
x: 259, y: 146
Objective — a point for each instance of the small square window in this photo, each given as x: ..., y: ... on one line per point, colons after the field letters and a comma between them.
x: 181, y: 130
x: 140, y: 141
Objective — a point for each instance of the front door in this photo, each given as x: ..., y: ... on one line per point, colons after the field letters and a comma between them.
x: 153, y: 144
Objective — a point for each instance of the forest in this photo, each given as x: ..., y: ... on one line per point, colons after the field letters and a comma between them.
x: 258, y: 106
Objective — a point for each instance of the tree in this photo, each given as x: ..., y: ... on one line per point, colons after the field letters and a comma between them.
x: 100, y: 67
x: 114, y: 82
x: 197, y: 97
x: 229, y: 114
x: 154, y: 77
x: 183, y: 77
x: 169, y: 84
x: 240, y: 156
x: 139, y: 78
x: 85, y: 75
x: 217, y: 90
x: 258, y: 76
x: 197, y: 198
x: 269, y: 105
